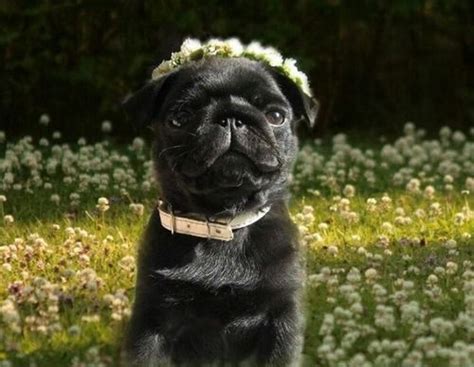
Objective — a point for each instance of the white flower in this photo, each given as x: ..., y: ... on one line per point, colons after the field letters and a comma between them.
x: 387, y: 226
x: 413, y: 185
x: 441, y: 327
x: 333, y: 250
x: 138, y: 144
x: 371, y: 204
x: 349, y: 191
x: 44, y: 119
x: 272, y: 57
x: 409, y: 128
x: 255, y: 49
x: 459, y: 137
x: 214, y: 46
x: 445, y: 132
x: 106, y: 126
x: 451, y: 267
x: 289, y: 66
x: 470, y: 184
x: 164, y: 68
x: 102, y: 204
x: 43, y: 142
x: 432, y: 279
x: 189, y: 46
x: 55, y: 198
x: 137, y: 209
x: 429, y: 192
x: 448, y: 179
x: 235, y: 47
x: 353, y: 276
x: 370, y: 274
x: 232, y: 47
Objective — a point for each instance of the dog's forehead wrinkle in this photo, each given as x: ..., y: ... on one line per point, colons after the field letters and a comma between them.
x: 221, y: 74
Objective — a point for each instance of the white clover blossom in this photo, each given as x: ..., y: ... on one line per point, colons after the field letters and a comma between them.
x: 349, y: 191
x: 137, y: 209
x: 106, y: 126
x: 55, y: 198
x: 44, y: 119
x: 102, y: 204
x: 192, y: 50
x: 189, y: 46
x: 470, y: 184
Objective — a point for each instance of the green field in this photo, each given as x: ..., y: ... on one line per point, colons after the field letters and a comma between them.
x: 387, y: 234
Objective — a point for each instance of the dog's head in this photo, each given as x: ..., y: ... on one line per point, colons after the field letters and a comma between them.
x: 225, y: 132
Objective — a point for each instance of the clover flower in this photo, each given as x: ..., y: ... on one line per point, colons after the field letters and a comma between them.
x: 44, y: 119
x: 102, y: 204
x: 370, y: 275
x: 106, y: 126
x: 137, y: 209
x: 413, y: 186
x: 192, y: 50
x: 451, y: 267
x: 333, y: 250
x: 409, y: 128
x: 55, y: 198
x: 429, y: 192
x: 119, y: 305
x: 349, y: 191
x: 384, y: 317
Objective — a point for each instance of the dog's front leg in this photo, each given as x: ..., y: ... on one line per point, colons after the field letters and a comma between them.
x: 281, y: 340
x: 150, y: 352
x: 145, y: 345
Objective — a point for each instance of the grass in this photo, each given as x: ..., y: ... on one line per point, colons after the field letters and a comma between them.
x: 390, y: 273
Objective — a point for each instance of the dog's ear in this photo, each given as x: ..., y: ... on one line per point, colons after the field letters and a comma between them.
x: 144, y: 105
x: 304, y: 106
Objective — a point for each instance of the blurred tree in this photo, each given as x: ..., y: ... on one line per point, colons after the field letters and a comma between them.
x: 373, y: 64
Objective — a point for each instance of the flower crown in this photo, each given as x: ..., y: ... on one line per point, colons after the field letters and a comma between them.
x: 193, y: 50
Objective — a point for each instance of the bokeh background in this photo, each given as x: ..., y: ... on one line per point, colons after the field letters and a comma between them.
x: 373, y: 64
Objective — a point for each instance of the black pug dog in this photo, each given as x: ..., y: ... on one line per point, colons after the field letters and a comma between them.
x: 225, y: 144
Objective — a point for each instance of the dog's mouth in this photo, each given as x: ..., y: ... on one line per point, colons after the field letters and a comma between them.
x: 234, y: 169
x: 231, y: 171
x: 229, y: 163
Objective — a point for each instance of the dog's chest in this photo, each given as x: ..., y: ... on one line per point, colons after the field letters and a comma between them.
x: 215, y: 264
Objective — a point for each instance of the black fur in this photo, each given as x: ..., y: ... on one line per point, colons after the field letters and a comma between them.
x: 209, y: 302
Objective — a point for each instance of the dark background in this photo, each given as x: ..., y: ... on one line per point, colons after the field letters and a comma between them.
x: 373, y: 64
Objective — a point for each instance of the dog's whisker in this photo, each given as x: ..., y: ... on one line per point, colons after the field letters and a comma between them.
x: 170, y: 148
x: 175, y: 158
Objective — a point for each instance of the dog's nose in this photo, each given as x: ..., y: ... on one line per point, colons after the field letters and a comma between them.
x: 230, y: 121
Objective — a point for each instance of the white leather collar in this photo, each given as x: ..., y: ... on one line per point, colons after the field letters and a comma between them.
x: 219, y: 230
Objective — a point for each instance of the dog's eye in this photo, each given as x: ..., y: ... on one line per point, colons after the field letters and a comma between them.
x: 275, y: 117
x: 174, y: 123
